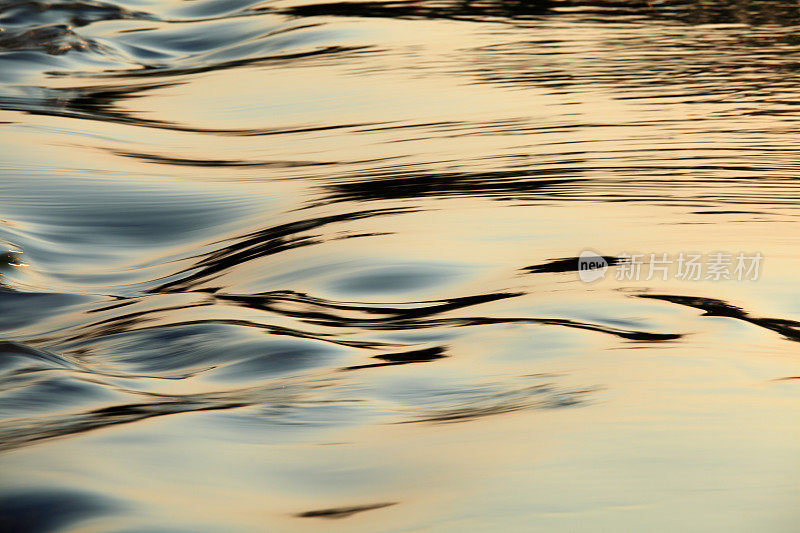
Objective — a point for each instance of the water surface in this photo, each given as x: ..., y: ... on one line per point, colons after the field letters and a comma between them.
x: 287, y: 266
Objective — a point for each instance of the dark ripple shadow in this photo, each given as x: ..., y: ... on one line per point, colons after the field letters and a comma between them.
x: 260, y: 244
x: 487, y: 401
x: 223, y: 163
x: 754, y: 12
x: 147, y: 71
x: 100, y: 103
x: 48, y: 26
x: 296, y: 399
x: 54, y: 40
x: 138, y: 340
x: 76, y: 13
x: 15, y: 354
x: 480, y: 10
x: 163, y: 326
x: 330, y: 312
x: 19, y: 432
x: 416, y: 315
x: 160, y: 159
x: 567, y: 264
x: 789, y: 329
x: 122, y: 327
x: 503, y: 184
x: 168, y: 46
x: 48, y: 509
x: 343, y: 512
x: 404, y: 358
x: 472, y: 403
x: 15, y: 434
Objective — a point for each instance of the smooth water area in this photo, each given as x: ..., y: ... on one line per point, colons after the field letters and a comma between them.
x: 300, y: 265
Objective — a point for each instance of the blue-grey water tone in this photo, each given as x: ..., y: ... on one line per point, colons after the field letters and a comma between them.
x: 309, y: 265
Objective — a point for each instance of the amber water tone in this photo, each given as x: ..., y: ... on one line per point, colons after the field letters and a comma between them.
x: 312, y: 265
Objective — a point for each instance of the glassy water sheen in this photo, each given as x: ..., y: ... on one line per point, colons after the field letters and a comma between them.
x: 304, y: 265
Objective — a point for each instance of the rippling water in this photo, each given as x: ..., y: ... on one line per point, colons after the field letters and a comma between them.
x: 269, y: 264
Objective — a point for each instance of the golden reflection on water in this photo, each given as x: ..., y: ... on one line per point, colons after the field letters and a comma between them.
x: 278, y: 275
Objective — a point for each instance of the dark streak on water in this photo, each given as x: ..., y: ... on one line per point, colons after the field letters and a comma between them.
x: 343, y: 512
x: 275, y: 224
